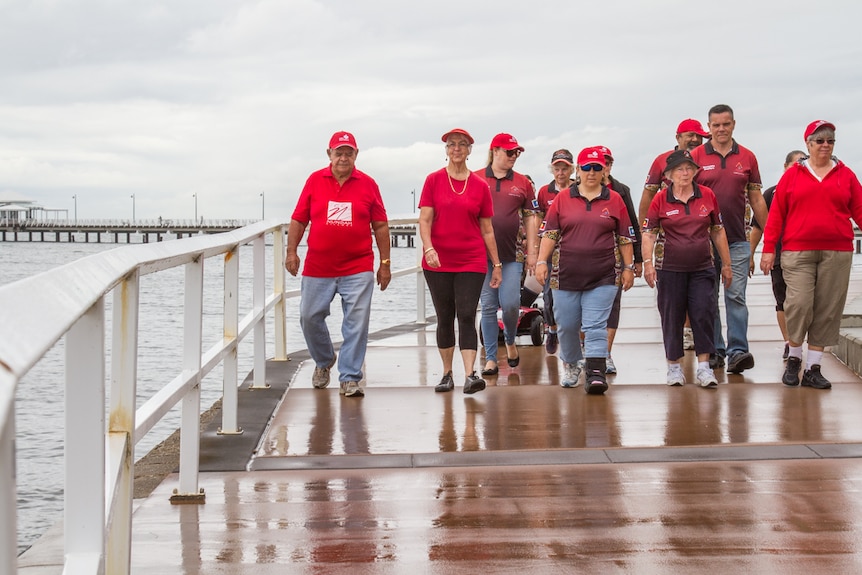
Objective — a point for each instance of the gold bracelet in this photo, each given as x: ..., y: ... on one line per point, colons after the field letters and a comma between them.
x: 428, y: 250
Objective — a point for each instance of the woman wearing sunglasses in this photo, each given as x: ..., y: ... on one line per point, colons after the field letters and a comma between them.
x: 514, y: 206
x: 591, y: 227
x: 811, y: 211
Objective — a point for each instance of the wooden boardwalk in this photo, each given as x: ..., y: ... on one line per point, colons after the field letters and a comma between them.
x: 526, y: 476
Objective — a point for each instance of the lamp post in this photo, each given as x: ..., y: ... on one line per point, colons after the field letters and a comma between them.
x: 262, y: 206
x: 413, y: 193
x: 75, y: 197
x: 133, y: 208
x: 195, y: 196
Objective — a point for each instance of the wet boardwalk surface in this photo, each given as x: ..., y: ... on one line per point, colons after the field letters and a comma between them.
x: 526, y: 476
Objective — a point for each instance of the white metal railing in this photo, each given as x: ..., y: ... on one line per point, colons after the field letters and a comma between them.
x: 69, y: 302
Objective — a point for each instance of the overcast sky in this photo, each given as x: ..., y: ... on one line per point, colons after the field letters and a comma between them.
x: 225, y: 99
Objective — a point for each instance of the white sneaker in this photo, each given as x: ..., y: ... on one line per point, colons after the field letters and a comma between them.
x: 351, y: 389
x: 687, y: 338
x: 320, y: 377
x: 609, y: 365
x: 675, y: 375
x: 706, y: 378
x: 571, y: 374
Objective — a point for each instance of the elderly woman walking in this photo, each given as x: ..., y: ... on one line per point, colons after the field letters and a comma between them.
x: 811, y: 211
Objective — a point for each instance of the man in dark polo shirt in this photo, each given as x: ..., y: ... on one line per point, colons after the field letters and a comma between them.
x: 731, y: 171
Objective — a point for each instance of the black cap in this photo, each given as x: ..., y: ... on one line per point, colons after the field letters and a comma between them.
x: 679, y: 157
x: 563, y: 156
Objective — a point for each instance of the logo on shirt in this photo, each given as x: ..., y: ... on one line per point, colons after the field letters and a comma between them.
x: 707, y: 168
x: 632, y: 231
x: 535, y: 204
x: 605, y: 213
x: 542, y: 227
x: 704, y: 211
x: 671, y: 213
x: 339, y: 214
x: 739, y: 167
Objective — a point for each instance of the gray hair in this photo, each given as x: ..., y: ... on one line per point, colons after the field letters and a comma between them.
x: 822, y: 132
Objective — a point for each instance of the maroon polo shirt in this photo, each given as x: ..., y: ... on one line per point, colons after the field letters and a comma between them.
x: 731, y: 177
x: 588, y: 235
x: 547, y: 195
x: 683, y: 241
x: 513, y: 197
x: 655, y: 176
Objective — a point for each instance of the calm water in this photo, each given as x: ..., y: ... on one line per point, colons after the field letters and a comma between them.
x: 40, y: 396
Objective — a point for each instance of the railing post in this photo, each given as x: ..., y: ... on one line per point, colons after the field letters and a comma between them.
x: 84, y: 517
x: 420, y: 283
x: 278, y: 289
x: 230, y: 395
x: 259, y: 302
x: 188, y: 491
x: 8, y: 496
x: 121, y: 421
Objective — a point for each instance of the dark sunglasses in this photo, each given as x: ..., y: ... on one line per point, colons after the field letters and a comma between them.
x: 592, y: 168
x: 822, y: 141
x: 513, y: 153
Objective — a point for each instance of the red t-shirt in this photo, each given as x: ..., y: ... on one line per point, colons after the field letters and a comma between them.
x: 455, y: 231
x: 683, y: 241
x: 339, y: 237
x: 655, y: 177
x: 731, y: 177
x: 588, y: 235
x: 513, y: 198
x: 810, y: 214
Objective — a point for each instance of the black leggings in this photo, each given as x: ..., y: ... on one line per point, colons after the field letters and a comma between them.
x: 455, y: 294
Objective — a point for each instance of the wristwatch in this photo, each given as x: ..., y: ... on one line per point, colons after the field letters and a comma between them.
x: 629, y: 267
x: 385, y: 262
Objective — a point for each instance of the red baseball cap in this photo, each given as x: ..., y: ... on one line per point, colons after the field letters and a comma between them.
x: 340, y: 139
x: 605, y: 152
x: 506, y: 141
x: 591, y: 156
x: 691, y: 125
x: 816, y: 125
x: 461, y: 131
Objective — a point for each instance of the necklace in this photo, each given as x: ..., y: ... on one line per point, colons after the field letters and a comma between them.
x: 451, y: 185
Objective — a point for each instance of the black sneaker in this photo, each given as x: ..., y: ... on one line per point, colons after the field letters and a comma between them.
x: 551, y: 343
x: 791, y: 372
x: 446, y: 384
x: 786, y: 352
x: 595, y: 382
x: 473, y: 383
x: 813, y: 378
x: 716, y: 361
x: 740, y: 361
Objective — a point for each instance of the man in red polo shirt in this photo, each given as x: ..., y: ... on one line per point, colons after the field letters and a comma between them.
x: 731, y: 171
x: 344, y: 207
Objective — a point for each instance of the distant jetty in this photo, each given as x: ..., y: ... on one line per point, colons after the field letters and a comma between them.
x: 138, y: 231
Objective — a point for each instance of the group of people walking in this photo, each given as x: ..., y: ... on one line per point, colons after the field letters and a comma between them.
x: 483, y: 231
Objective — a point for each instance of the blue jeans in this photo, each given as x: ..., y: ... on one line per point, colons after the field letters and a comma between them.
x: 314, y: 307
x: 585, y: 311
x: 506, y: 297
x: 734, y: 302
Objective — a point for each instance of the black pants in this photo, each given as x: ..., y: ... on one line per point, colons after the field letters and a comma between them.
x: 681, y: 293
x: 455, y: 294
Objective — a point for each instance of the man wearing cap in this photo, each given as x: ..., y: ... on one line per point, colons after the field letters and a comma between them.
x: 562, y: 167
x: 731, y: 171
x: 625, y: 192
x: 514, y: 205
x: 343, y: 206
x: 689, y: 135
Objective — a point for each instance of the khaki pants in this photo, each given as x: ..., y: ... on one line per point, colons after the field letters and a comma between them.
x: 816, y: 292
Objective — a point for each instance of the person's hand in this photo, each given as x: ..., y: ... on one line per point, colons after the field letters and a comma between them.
x: 751, y: 266
x: 432, y: 259
x: 726, y: 275
x: 650, y: 275
x: 542, y: 274
x: 291, y: 263
x: 384, y: 276
x: 531, y: 263
x: 496, y: 277
x: 639, y: 269
x: 767, y: 262
x: 628, y: 279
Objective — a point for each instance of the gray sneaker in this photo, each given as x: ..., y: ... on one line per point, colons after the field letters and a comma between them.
x: 320, y: 377
x: 571, y: 374
x: 351, y: 389
x: 706, y: 378
x: 675, y: 377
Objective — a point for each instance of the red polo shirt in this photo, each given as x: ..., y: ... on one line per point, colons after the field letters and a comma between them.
x: 731, y: 177
x: 455, y: 231
x: 547, y: 195
x: 655, y: 177
x: 339, y: 237
x: 514, y: 198
x: 588, y: 235
x: 683, y: 241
